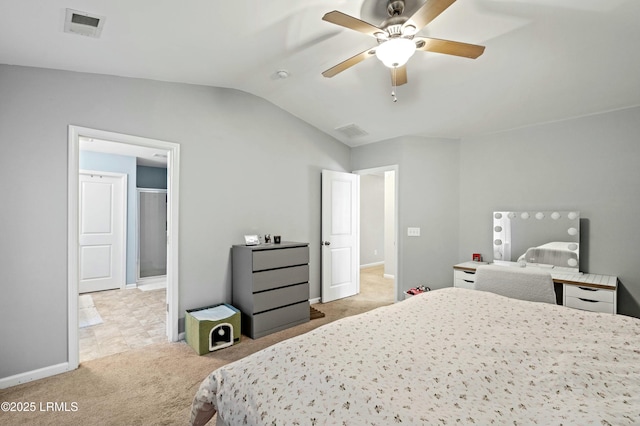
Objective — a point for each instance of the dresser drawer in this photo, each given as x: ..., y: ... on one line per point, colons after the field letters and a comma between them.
x: 464, y: 284
x: 468, y: 276
x: 587, y: 305
x: 280, y: 297
x: 274, y: 278
x: 464, y: 279
x: 278, y: 319
x: 589, y: 294
x: 278, y: 258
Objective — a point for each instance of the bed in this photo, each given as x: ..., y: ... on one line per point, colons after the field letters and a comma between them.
x: 449, y: 356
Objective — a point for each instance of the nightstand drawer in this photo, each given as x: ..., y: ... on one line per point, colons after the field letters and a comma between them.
x: 588, y: 305
x: 468, y: 276
x: 590, y: 294
x: 464, y: 284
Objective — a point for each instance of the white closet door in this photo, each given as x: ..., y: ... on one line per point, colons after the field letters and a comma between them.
x: 102, y: 231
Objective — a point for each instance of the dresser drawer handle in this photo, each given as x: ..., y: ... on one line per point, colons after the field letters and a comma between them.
x: 588, y: 288
x: 469, y: 272
x: 467, y: 281
x: 588, y: 300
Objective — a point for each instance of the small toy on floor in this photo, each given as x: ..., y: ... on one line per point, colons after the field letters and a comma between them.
x: 418, y: 290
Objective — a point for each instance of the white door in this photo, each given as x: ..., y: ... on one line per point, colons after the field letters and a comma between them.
x: 102, y: 231
x: 340, y: 235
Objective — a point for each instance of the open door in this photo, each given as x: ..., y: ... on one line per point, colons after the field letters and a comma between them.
x: 340, y: 235
x: 102, y: 220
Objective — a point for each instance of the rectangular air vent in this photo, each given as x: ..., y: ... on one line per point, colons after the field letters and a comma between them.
x: 83, y: 23
x: 351, y: 131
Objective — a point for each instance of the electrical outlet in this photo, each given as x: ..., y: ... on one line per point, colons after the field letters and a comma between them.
x: 413, y: 232
x: 375, y: 252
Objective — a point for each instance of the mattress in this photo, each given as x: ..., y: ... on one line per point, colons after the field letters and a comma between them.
x: 443, y: 357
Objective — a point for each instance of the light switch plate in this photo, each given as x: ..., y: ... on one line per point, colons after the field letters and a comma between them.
x: 413, y: 232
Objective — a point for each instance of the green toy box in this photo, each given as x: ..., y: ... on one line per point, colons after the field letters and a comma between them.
x: 212, y: 327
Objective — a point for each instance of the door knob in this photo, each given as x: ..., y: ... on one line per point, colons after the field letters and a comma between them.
x: 326, y: 243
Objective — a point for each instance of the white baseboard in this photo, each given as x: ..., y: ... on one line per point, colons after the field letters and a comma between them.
x: 314, y: 301
x: 369, y: 265
x: 30, y: 376
x: 389, y: 276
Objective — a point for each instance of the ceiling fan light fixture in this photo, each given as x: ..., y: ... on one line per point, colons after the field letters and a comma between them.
x: 409, y: 30
x: 381, y: 35
x: 396, y: 52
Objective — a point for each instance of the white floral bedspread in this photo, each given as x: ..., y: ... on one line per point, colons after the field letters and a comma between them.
x: 450, y: 356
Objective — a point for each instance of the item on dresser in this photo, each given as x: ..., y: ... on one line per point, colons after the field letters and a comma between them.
x: 251, y: 240
x: 271, y: 286
x: 444, y: 356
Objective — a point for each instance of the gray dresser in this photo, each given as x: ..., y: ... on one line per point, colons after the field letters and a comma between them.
x: 271, y: 286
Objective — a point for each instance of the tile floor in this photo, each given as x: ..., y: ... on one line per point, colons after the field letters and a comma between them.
x: 131, y: 319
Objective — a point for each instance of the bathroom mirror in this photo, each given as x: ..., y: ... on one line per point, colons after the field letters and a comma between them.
x: 542, y: 238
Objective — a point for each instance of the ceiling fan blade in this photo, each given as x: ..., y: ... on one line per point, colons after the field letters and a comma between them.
x: 428, y: 12
x: 352, y: 23
x: 399, y: 76
x: 356, y: 59
x: 448, y: 47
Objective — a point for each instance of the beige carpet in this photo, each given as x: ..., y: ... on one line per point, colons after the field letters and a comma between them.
x: 155, y: 385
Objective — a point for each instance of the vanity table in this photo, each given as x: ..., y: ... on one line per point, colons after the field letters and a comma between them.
x: 590, y: 292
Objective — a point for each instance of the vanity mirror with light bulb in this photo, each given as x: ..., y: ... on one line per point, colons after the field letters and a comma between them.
x: 549, y: 240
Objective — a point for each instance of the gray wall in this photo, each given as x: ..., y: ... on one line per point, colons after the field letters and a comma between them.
x: 588, y: 164
x: 449, y: 188
x: 246, y: 166
x: 371, y: 219
x: 428, y: 175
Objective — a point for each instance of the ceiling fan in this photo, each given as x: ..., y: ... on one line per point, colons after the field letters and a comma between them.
x: 397, y: 39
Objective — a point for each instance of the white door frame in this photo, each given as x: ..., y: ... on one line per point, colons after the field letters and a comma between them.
x: 394, y: 168
x: 123, y: 237
x: 173, y: 174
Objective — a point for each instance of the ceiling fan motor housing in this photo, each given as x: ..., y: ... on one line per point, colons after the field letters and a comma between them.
x: 395, y: 7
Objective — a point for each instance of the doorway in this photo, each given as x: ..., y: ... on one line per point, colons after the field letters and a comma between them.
x: 379, y: 228
x: 152, y: 238
x: 172, y: 151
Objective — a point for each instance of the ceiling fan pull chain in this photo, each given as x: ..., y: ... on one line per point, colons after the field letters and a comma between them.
x: 393, y: 86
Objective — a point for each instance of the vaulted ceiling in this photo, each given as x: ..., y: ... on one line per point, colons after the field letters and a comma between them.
x: 545, y: 60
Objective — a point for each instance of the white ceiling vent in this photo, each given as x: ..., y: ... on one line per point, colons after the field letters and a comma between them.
x: 82, y: 23
x: 352, y: 131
